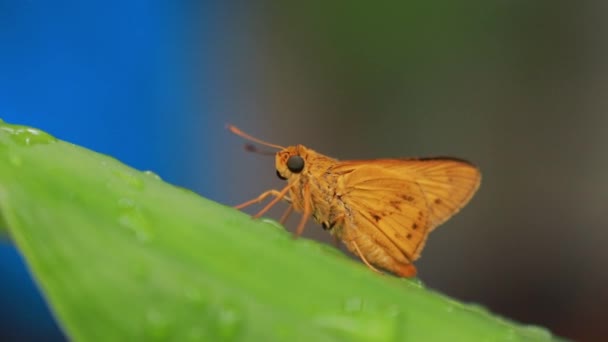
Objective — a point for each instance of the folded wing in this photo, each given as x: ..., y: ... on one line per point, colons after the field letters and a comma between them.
x: 402, y: 200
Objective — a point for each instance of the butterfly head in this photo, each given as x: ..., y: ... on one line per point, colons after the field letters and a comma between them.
x: 291, y: 161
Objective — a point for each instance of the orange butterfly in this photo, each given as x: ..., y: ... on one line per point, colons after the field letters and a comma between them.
x: 381, y: 209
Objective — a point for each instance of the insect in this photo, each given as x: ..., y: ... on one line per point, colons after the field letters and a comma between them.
x: 382, y: 210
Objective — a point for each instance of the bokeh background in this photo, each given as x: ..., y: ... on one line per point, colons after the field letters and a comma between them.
x: 517, y: 87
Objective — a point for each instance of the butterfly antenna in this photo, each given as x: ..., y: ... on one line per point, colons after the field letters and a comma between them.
x: 253, y: 149
x: 244, y: 135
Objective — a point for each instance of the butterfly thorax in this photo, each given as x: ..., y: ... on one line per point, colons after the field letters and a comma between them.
x: 315, y: 181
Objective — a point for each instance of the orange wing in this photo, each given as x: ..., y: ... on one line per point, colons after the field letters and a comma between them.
x: 404, y: 199
x: 447, y: 183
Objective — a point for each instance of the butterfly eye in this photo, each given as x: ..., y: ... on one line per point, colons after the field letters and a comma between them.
x: 295, y: 164
x: 280, y: 176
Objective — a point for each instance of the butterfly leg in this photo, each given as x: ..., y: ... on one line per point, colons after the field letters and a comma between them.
x: 260, y: 198
x: 365, y: 260
x: 286, y: 214
x: 278, y: 197
x: 305, y: 213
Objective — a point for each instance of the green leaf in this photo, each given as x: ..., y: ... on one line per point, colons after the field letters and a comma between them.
x: 121, y: 255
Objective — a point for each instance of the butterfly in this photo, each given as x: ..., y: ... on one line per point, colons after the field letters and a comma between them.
x: 381, y: 209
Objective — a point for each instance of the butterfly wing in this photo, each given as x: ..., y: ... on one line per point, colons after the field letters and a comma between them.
x: 390, y: 212
x: 397, y: 202
x: 448, y: 185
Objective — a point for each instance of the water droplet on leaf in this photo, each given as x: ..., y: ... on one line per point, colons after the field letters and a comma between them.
x: 130, y: 179
x: 132, y: 218
x: 26, y: 136
x: 152, y: 175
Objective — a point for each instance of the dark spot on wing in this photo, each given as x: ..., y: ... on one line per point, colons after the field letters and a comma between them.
x: 395, y: 204
x: 409, y: 236
x: 376, y: 217
x: 437, y: 201
x: 414, y: 226
x: 407, y: 198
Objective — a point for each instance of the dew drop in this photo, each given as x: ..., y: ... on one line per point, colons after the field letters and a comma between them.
x: 26, y: 136
x: 536, y: 332
x: 476, y: 308
x: 417, y: 282
x: 131, y: 218
x: 152, y: 175
x: 130, y: 179
x: 133, y: 224
x: 273, y: 223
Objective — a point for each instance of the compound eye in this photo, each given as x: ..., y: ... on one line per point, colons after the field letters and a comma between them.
x: 279, y: 175
x: 295, y: 164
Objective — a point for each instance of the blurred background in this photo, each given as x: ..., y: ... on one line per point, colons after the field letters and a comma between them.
x: 517, y: 87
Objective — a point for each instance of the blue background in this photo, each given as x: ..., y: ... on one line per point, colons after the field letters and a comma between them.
x: 112, y: 76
